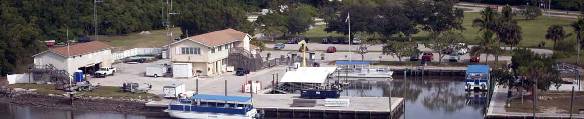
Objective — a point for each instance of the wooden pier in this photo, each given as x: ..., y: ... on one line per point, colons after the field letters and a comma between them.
x: 281, y: 106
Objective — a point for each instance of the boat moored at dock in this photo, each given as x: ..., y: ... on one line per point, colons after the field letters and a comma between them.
x: 361, y: 69
x: 203, y: 106
x: 477, y: 78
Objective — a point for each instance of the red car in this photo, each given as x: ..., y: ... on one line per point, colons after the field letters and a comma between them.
x: 427, y: 56
x: 475, y: 59
x: 331, y: 49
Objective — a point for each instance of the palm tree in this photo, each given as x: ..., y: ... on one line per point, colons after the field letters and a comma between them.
x: 487, y: 45
x: 507, y: 13
x: 555, y: 33
x: 578, y: 27
x: 509, y: 32
x: 487, y: 21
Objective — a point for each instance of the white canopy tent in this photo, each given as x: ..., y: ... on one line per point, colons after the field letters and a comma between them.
x: 308, y: 75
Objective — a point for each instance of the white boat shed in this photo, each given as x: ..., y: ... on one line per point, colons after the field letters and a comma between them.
x: 89, y: 57
x: 314, y: 75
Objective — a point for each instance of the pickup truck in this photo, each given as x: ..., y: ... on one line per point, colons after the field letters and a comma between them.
x: 102, y: 72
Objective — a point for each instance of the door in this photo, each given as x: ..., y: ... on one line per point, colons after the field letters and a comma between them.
x: 180, y: 70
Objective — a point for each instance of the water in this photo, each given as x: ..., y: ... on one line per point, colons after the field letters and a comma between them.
x: 11, y: 111
x: 428, y: 98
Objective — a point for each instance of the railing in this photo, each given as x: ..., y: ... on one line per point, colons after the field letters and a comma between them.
x: 225, y: 110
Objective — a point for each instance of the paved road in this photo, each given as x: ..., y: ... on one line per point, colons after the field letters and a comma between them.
x: 373, y: 55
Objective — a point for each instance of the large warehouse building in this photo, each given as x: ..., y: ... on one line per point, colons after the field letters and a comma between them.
x: 88, y: 57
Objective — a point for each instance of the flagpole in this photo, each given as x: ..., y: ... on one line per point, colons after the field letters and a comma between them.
x: 350, y: 42
x: 68, y: 54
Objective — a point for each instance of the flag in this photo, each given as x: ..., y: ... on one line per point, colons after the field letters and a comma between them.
x: 348, y: 17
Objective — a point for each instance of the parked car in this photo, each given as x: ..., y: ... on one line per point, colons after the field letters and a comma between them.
x: 241, y: 71
x: 356, y: 40
x: 103, y: 72
x: 297, y: 39
x: 427, y: 56
x: 279, y: 46
x: 415, y: 57
x: 333, y: 41
x: 343, y: 41
x: 331, y: 49
x: 475, y: 59
x: 453, y: 58
x: 292, y: 41
x: 325, y: 40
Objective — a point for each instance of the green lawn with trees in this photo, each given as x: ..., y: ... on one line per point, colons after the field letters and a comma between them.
x: 533, y: 30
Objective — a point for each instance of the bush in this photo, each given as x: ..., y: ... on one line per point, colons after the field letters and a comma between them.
x: 568, y: 46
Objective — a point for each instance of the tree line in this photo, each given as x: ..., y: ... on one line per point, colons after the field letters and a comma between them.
x: 26, y: 23
x: 572, y: 5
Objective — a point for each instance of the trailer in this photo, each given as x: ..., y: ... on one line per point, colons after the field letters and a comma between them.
x: 182, y: 70
x: 173, y: 91
x: 156, y: 70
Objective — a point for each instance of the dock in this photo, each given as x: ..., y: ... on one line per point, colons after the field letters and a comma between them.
x: 496, y: 109
x: 428, y: 71
x: 280, y: 106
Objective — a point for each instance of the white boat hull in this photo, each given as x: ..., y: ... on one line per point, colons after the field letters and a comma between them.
x: 367, y: 75
x: 196, y: 115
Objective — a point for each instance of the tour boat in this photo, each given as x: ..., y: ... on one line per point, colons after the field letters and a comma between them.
x: 361, y: 69
x: 203, y: 106
x: 477, y: 78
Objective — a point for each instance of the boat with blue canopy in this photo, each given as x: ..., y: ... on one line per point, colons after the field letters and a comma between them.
x: 477, y: 78
x: 205, y: 106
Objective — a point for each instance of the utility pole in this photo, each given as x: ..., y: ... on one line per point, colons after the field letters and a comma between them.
x: 95, y: 18
x: 168, y: 26
x: 572, y: 103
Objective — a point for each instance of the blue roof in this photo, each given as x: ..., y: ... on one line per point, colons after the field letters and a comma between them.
x: 221, y: 98
x: 477, y: 69
x: 352, y: 62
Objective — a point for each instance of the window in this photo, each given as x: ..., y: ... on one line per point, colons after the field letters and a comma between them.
x: 190, y: 50
x: 220, y: 48
x: 212, y: 50
x: 226, y: 46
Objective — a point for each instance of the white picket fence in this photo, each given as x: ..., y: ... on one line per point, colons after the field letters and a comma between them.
x: 135, y: 52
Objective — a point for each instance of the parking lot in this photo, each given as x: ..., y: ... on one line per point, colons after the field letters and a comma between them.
x: 208, y: 85
x: 135, y: 73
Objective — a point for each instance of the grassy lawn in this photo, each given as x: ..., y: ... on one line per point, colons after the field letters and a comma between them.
x: 102, y: 91
x: 43, y: 89
x: 114, y: 92
x: 548, y: 101
x: 533, y: 30
x: 156, y: 38
x: 533, y: 33
x: 318, y: 32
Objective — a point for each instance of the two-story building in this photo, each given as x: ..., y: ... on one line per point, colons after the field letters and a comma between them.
x: 208, y: 52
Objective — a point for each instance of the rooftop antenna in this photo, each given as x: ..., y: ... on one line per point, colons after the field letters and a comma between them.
x: 168, y: 26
